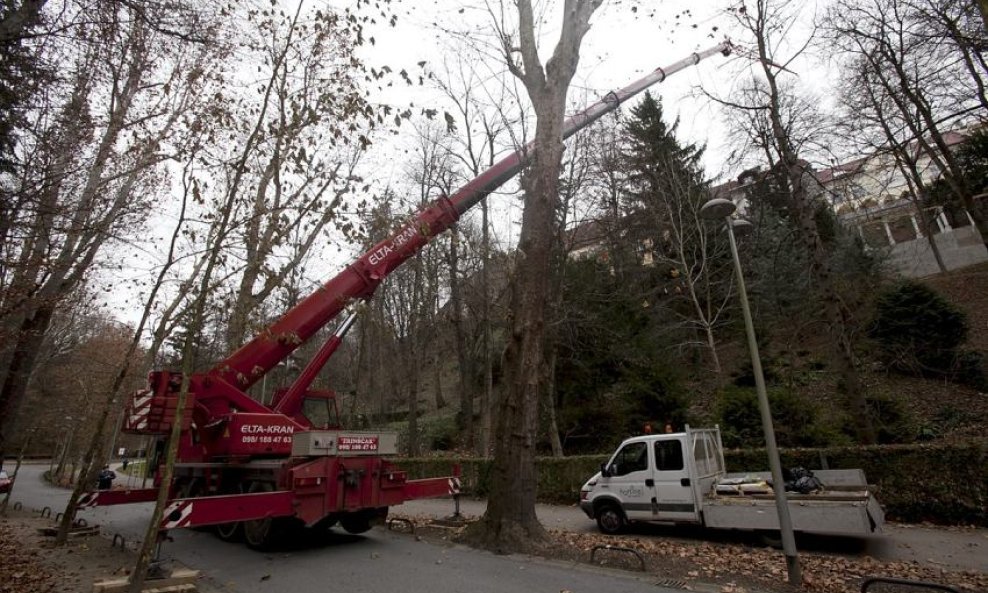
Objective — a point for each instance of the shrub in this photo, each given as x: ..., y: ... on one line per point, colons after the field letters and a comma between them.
x: 891, y: 420
x: 439, y: 434
x: 737, y: 413
x: 917, y: 330
x: 796, y: 421
x: 969, y: 369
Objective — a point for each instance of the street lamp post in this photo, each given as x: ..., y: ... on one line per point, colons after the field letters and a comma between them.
x: 721, y: 209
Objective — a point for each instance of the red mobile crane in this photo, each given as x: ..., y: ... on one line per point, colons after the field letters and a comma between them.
x: 252, y: 469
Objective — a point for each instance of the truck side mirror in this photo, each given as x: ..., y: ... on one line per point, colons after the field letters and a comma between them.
x: 605, y: 470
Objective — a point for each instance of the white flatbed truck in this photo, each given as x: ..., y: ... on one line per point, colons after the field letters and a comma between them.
x: 673, y: 478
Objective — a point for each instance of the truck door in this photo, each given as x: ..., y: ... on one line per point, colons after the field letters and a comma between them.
x: 630, y: 480
x: 673, y: 491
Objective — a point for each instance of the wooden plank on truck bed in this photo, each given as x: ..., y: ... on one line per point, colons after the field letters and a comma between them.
x: 179, y: 577
x: 856, y: 496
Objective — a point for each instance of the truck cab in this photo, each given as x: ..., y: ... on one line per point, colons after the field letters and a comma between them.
x: 654, y: 478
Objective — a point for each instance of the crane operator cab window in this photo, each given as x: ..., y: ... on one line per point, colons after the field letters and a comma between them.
x: 321, y: 411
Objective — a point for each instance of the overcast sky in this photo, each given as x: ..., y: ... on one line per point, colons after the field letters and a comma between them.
x: 626, y: 40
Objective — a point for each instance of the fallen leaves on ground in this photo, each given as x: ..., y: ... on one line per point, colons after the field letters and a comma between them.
x: 21, y: 570
x: 825, y: 573
x: 737, y: 568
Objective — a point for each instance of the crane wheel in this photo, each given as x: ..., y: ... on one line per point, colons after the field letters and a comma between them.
x: 230, y: 532
x: 362, y: 521
x: 263, y: 534
x: 355, y: 523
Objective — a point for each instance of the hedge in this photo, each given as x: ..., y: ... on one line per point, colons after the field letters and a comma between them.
x: 942, y: 483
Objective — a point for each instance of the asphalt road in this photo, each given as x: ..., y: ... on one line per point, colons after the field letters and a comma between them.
x: 376, y: 562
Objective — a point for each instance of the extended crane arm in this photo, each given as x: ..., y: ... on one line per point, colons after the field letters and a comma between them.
x: 359, y: 280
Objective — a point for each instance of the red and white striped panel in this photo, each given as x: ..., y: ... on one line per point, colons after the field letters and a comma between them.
x: 140, y: 410
x: 177, y: 514
x: 454, y: 485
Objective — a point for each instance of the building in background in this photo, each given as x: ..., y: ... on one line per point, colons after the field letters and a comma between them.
x: 871, y: 195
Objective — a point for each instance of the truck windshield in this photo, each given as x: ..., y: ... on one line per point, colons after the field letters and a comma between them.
x: 633, y: 457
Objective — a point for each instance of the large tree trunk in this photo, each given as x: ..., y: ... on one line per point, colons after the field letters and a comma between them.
x: 510, y: 521
x: 20, y: 366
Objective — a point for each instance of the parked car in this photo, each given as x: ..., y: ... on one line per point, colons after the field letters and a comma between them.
x: 5, y: 482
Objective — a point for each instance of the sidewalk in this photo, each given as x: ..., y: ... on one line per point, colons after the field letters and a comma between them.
x: 951, y: 548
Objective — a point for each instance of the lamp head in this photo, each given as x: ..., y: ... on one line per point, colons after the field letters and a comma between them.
x: 741, y: 226
x: 717, y: 208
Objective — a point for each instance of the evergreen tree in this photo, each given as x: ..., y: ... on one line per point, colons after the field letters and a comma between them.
x: 656, y: 158
x: 659, y: 170
x: 666, y: 188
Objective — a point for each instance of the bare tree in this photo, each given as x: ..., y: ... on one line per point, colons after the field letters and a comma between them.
x: 954, y: 30
x: 872, y: 120
x: 481, y: 118
x: 95, y: 454
x: 763, y: 22
x: 217, y: 234
x: 292, y: 178
x: 88, y: 175
x: 915, y: 73
x: 510, y: 517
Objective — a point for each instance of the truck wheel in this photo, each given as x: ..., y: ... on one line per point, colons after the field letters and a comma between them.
x: 262, y: 534
x: 355, y: 523
x: 362, y: 521
x: 230, y: 532
x: 610, y: 519
x: 326, y: 523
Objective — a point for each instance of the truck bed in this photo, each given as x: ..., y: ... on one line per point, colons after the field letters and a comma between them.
x: 846, y: 506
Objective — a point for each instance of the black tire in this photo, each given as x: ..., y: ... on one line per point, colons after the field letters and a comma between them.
x: 610, y: 519
x: 355, y: 523
x: 230, y: 532
x: 362, y: 521
x: 263, y: 534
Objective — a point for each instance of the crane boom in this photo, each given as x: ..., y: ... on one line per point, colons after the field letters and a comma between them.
x: 359, y: 280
